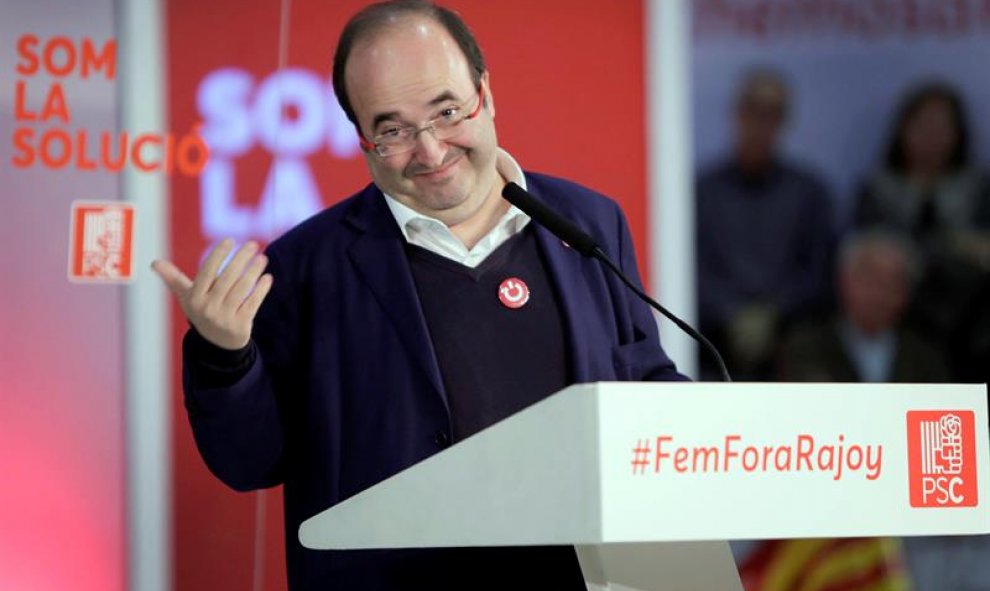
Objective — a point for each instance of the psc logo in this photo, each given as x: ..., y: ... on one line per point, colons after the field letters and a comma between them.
x: 101, y: 243
x: 942, y: 458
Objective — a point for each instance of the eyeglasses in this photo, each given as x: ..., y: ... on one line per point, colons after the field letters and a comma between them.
x: 396, y: 140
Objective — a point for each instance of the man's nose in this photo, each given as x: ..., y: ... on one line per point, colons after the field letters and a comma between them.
x: 429, y: 150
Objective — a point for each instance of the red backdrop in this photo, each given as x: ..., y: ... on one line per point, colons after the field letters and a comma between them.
x: 568, y: 81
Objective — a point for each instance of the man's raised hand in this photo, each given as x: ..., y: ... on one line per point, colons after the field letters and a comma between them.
x: 221, y: 307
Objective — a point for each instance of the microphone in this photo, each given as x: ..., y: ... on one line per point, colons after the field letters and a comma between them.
x: 582, y: 242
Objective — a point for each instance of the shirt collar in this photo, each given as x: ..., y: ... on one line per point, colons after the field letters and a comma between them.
x: 407, y: 217
x: 853, y: 333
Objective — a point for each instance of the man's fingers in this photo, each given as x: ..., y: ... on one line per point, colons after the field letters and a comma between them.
x: 176, y: 281
x: 245, y: 283
x: 208, y: 271
x: 232, y: 272
x: 250, y: 306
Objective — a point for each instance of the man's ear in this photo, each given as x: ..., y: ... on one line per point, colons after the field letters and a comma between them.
x: 489, y: 101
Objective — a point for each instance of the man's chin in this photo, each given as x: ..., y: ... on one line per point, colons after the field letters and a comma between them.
x: 428, y: 202
x: 442, y: 202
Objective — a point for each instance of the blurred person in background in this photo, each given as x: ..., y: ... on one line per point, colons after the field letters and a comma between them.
x: 928, y: 189
x: 863, y: 342
x: 764, y: 234
x: 866, y: 340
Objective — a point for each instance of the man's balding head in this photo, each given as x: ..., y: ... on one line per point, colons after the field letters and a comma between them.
x: 377, y: 18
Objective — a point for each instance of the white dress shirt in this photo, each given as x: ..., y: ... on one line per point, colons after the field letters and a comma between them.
x: 435, y: 236
x: 872, y: 356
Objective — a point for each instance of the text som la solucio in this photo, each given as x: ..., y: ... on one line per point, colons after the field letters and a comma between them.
x: 55, y: 146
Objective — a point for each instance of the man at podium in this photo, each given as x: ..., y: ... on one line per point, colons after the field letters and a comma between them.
x: 408, y: 317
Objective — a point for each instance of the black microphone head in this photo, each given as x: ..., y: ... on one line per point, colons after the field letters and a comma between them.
x: 513, y: 193
x: 560, y: 226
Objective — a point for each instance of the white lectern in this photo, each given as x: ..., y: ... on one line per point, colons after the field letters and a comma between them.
x: 647, y: 480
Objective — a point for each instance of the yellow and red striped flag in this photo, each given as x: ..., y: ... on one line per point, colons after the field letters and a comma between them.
x: 842, y: 564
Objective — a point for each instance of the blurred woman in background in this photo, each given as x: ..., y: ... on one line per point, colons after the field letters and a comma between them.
x: 929, y: 190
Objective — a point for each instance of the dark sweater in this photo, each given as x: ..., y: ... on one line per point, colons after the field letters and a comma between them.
x: 495, y: 360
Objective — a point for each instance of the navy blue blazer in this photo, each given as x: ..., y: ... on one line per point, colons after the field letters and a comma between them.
x: 345, y: 390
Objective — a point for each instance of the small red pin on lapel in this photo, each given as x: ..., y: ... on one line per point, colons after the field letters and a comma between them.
x: 513, y: 293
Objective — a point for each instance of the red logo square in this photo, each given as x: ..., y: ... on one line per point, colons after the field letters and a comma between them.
x: 101, y: 243
x: 942, y: 458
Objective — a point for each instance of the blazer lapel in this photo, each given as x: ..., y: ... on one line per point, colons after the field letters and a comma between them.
x: 380, y: 258
x: 564, y: 265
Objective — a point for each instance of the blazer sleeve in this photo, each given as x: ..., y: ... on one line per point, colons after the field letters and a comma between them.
x: 238, y: 426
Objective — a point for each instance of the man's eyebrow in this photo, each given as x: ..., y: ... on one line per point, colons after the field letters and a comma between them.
x: 379, y: 118
x: 443, y: 97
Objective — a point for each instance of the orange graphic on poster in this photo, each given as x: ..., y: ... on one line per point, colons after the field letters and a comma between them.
x: 101, y: 242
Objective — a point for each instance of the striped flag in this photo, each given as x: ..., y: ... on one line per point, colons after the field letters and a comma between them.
x: 843, y: 564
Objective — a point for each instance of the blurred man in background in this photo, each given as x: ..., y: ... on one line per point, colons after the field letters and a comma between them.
x: 866, y: 340
x: 764, y: 233
x: 869, y: 340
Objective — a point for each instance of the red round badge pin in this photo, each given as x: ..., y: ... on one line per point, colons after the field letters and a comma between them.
x: 513, y: 293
